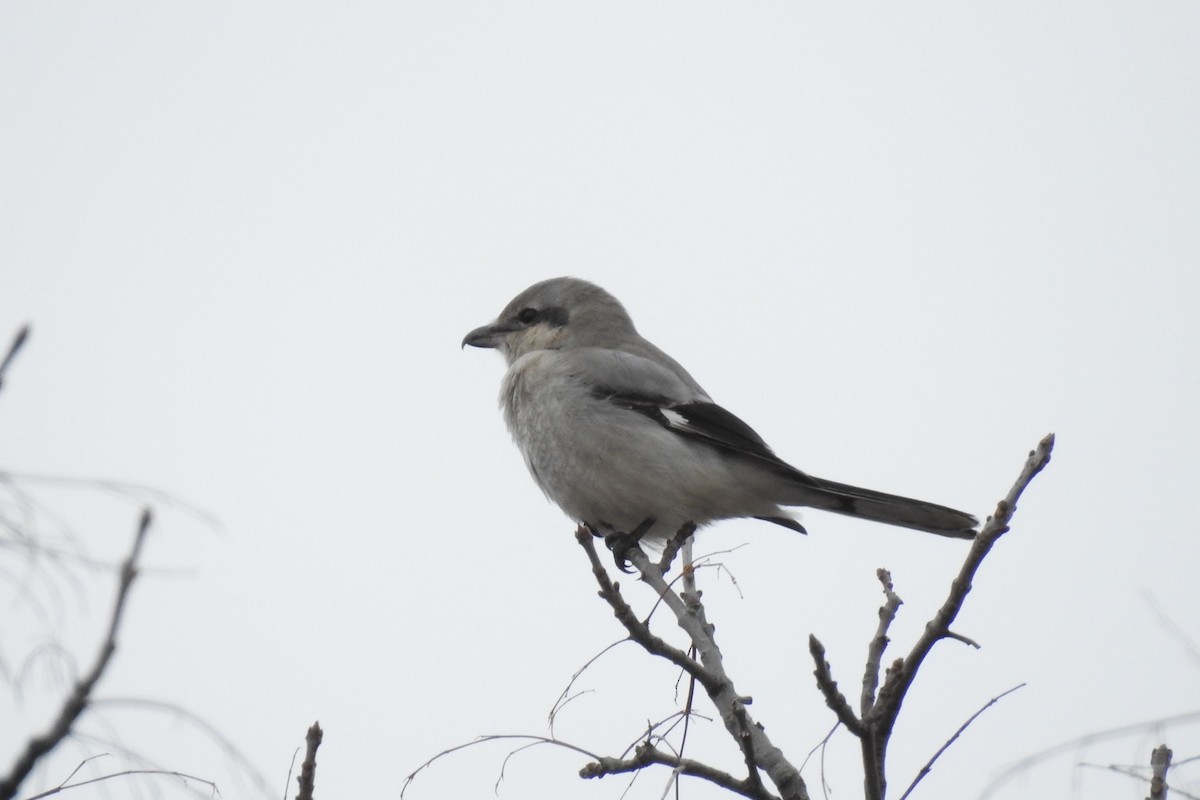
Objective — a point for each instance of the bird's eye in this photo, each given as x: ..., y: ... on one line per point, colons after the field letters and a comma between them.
x: 527, y: 315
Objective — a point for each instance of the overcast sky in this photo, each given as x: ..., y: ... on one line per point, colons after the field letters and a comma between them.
x: 902, y: 240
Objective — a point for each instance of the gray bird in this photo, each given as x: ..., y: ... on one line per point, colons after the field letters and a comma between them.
x: 623, y: 439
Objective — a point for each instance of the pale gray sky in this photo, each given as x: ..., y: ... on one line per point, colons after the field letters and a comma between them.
x: 903, y: 241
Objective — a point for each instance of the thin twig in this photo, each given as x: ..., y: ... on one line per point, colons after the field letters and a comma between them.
x: 112, y: 742
x: 497, y: 737
x: 80, y: 766
x: 925, y: 770
x: 651, y: 731
x: 183, y: 776
x: 688, y: 571
x: 210, y: 731
x: 691, y: 692
x: 79, y: 698
x: 287, y: 782
x: 566, y: 695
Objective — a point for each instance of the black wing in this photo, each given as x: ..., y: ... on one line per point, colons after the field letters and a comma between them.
x: 716, y: 427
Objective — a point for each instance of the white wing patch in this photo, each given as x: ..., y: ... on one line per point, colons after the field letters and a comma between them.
x: 675, y: 419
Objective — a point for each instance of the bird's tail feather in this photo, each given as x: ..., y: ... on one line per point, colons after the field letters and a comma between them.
x: 889, y: 509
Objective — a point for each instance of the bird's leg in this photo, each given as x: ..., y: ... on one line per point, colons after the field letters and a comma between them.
x: 619, y: 542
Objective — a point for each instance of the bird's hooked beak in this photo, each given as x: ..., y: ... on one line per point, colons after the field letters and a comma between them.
x: 489, y: 336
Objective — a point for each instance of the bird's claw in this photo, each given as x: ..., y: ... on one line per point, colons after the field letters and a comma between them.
x: 621, y: 543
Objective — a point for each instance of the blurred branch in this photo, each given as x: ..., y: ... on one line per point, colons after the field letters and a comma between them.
x: 13, y: 349
x: 183, y: 716
x: 879, y: 712
x: 1173, y: 628
x: 1072, y: 745
x: 136, y: 492
x: 78, y: 700
x: 1155, y: 773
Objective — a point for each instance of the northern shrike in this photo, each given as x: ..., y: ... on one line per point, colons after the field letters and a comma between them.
x: 623, y: 439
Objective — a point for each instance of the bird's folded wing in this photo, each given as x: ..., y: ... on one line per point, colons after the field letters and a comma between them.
x: 612, y: 373
x: 645, y: 387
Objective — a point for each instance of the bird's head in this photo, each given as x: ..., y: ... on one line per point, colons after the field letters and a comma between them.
x: 555, y: 314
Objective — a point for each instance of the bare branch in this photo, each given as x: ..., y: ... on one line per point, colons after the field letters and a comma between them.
x: 881, y: 704
x: 647, y: 754
x: 709, y: 672
x: 638, y: 630
x: 1160, y: 762
x: 887, y: 613
x: 967, y: 640
x: 78, y: 700
x: 703, y: 663
x: 670, y: 723
x: 308, y: 769
x: 891, y: 697
x: 829, y: 688
x: 690, y: 703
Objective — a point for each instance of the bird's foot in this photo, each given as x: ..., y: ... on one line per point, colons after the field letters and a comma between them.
x: 620, y: 543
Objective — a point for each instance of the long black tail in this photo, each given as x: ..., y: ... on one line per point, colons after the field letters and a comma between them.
x: 889, y: 509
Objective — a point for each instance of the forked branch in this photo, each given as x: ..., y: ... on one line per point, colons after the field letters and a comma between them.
x: 758, y: 751
x: 880, y: 710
